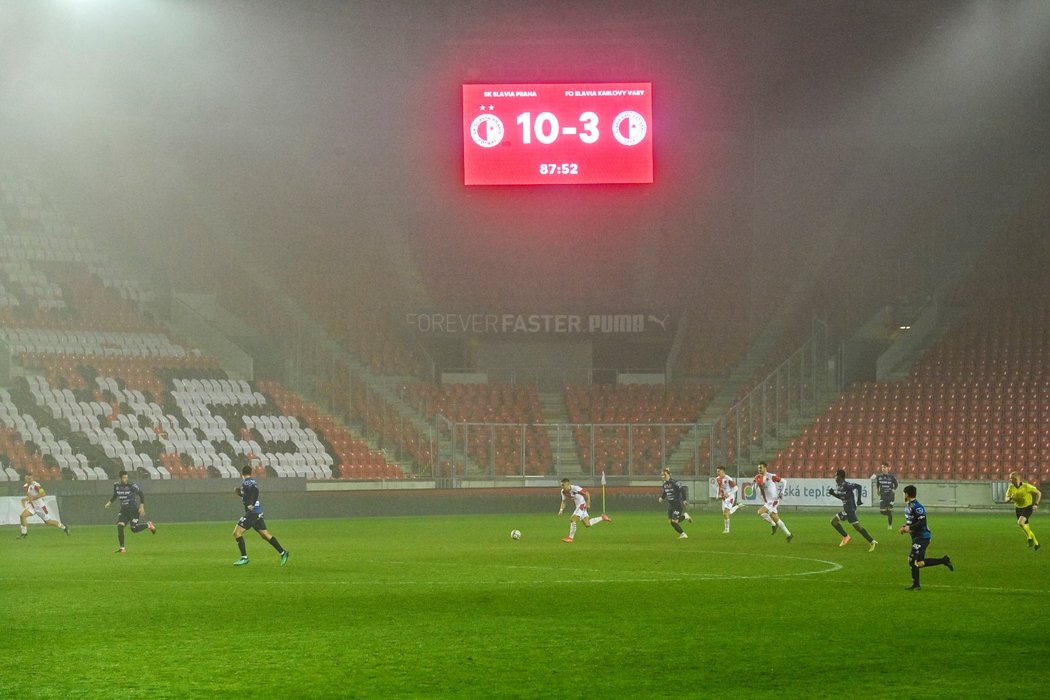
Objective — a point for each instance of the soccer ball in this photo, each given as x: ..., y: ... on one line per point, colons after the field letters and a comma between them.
x: 515, y: 534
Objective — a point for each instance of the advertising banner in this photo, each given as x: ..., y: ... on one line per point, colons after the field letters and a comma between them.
x: 11, y: 510
x: 799, y: 492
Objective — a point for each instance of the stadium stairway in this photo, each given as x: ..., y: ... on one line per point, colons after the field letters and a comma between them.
x: 915, y: 347
x: 729, y: 393
x: 389, y: 389
x: 282, y: 304
x: 555, y: 413
x: 899, y: 357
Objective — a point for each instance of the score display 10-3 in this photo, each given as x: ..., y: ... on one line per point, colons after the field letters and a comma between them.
x: 557, y: 133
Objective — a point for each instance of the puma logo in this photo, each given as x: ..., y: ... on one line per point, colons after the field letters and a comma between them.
x: 662, y: 322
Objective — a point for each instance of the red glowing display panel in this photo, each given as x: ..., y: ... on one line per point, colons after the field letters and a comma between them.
x: 557, y: 133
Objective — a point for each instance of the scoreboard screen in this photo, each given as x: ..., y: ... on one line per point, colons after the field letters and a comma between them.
x: 557, y: 133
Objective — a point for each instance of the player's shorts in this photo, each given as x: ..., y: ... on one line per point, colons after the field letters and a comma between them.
x: 918, y: 549
x: 252, y: 521
x: 37, y: 507
x: 1025, y: 512
x: 885, y: 501
x: 728, y: 503
x: 674, y: 512
x: 850, y: 516
x: 580, y: 512
x: 128, y: 515
x: 771, y: 506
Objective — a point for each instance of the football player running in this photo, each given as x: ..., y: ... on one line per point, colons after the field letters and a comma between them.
x: 676, y: 497
x: 581, y: 500
x: 771, y: 487
x: 33, y: 503
x: 727, y: 494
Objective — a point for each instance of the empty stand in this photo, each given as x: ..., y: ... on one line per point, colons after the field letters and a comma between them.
x: 976, y: 406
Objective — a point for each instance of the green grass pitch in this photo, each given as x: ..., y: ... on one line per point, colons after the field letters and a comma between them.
x: 452, y: 607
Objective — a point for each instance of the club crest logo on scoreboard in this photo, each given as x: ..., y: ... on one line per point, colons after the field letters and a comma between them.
x: 487, y: 130
x: 636, y: 128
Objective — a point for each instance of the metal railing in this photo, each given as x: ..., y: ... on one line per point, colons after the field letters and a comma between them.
x: 623, y: 451
x: 759, y: 423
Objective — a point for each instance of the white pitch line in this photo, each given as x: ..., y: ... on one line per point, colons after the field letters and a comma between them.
x: 831, y: 567
x: 641, y: 576
x: 662, y: 578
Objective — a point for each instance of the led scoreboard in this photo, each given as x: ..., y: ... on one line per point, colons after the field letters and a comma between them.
x: 557, y: 133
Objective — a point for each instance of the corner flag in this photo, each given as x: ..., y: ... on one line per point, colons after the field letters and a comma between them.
x: 603, y: 490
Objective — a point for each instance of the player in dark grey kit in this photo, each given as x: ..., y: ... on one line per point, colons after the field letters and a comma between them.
x: 849, y: 494
x: 675, y: 494
x: 253, y: 519
x: 132, y: 508
x: 915, y: 525
x: 885, y: 486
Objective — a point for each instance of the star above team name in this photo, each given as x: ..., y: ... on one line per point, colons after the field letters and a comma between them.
x: 490, y: 107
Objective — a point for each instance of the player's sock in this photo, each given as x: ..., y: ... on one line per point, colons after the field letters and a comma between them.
x: 276, y: 545
x: 138, y: 526
x: 838, y: 527
x: 889, y: 518
x: 572, y: 530
x: 915, y: 575
x: 865, y: 534
x: 725, y: 522
x: 120, y: 535
x: 768, y: 518
x: 25, y: 530
x: 242, y: 547
x: 1028, y: 533
x: 783, y: 526
x: 939, y: 561
x: 677, y: 527
x: 595, y: 520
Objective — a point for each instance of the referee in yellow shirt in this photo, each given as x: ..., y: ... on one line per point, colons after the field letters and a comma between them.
x: 1026, y: 499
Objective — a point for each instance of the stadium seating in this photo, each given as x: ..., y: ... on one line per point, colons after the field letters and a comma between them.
x: 503, y: 423
x: 354, y: 457
x: 101, y: 386
x: 639, y: 425
x: 976, y: 406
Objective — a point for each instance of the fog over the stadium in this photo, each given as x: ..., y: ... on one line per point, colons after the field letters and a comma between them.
x: 286, y: 126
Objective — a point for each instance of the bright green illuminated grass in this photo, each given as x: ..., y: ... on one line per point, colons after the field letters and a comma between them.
x: 452, y: 607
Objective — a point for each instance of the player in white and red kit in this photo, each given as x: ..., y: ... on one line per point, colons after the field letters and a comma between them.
x: 771, y: 488
x: 33, y: 503
x: 727, y: 494
x: 581, y: 500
